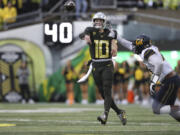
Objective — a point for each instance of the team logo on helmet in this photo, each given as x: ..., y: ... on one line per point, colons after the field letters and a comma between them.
x: 139, y: 42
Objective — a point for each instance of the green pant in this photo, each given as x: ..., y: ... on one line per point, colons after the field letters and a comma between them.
x: 103, y: 76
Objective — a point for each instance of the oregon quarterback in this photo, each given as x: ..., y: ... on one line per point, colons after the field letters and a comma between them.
x: 103, y: 45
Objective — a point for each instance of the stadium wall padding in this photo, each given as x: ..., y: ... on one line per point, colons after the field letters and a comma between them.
x: 34, y: 52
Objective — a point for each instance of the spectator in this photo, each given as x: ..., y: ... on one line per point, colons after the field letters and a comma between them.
x: 19, y: 5
x: 9, y: 13
x: 1, y: 4
x: 44, y: 5
x: 153, y: 3
x: 81, y: 6
x: 68, y: 73
x: 23, y: 75
x: 27, y: 6
x: 166, y: 4
x: 174, y: 4
x: 138, y: 76
x: 140, y: 4
x: 145, y: 85
x: 117, y: 85
x: 125, y: 81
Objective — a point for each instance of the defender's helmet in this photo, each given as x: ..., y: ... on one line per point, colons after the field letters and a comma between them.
x: 100, y: 16
x: 141, y: 43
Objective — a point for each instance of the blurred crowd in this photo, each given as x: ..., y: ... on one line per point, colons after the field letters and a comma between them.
x: 166, y: 4
x: 130, y: 84
x: 9, y: 9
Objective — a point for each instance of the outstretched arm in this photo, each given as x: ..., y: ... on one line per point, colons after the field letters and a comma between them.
x: 127, y: 44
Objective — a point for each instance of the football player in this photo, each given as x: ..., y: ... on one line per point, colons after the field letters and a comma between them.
x: 103, y: 45
x: 162, y: 71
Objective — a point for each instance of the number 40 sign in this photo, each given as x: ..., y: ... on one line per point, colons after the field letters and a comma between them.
x: 58, y: 32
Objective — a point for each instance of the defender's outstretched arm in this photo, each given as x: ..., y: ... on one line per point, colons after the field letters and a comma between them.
x: 127, y: 44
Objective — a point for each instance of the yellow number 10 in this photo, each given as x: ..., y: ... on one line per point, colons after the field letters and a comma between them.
x: 99, y: 48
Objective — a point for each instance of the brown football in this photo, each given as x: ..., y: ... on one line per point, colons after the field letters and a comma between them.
x: 70, y: 5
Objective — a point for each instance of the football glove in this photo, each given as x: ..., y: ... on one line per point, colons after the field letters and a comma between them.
x: 154, y: 80
x: 152, y: 88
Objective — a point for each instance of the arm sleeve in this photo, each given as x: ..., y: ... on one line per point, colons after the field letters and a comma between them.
x: 157, y: 62
x: 127, y: 44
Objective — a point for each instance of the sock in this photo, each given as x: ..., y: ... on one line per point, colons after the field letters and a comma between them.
x: 165, y: 109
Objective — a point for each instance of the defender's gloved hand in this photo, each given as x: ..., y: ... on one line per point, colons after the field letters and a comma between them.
x: 154, y: 80
x: 152, y: 88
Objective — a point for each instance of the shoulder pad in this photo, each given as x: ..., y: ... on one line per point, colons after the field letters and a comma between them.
x: 112, y: 33
x: 148, y: 53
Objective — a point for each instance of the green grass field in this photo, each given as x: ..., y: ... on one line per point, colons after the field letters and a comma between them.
x: 61, y: 119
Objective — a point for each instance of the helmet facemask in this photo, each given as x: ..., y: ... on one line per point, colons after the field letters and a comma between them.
x: 99, y: 20
x: 98, y: 23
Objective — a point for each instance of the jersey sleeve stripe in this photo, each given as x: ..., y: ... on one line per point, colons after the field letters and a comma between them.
x: 148, y: 53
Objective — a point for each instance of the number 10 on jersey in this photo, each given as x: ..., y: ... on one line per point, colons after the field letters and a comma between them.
x: 101, y: 48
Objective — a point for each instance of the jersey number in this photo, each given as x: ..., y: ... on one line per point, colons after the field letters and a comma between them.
x: 99, y: 46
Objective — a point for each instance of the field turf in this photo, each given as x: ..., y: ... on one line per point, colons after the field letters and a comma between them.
x: 62, y: 119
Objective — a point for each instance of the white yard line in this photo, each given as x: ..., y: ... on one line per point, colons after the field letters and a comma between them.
x: 87, y: 122
x: 50, y: 110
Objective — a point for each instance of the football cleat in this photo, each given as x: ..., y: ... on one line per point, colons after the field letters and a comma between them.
x: 122, y: 117
x: 102, y: 119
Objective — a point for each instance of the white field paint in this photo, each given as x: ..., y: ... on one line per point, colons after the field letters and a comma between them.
x: 51, y: 110
x: 89, y: 122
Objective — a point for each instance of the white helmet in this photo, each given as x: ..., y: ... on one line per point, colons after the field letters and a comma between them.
x: 101, y: 16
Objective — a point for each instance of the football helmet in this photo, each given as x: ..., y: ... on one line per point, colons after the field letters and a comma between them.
x: 99, y: 24
x: 141, y: 43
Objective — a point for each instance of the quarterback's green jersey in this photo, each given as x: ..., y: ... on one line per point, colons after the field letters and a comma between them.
x: 101, y: 43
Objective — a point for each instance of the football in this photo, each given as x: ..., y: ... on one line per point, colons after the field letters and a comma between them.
x: 70, y: 5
